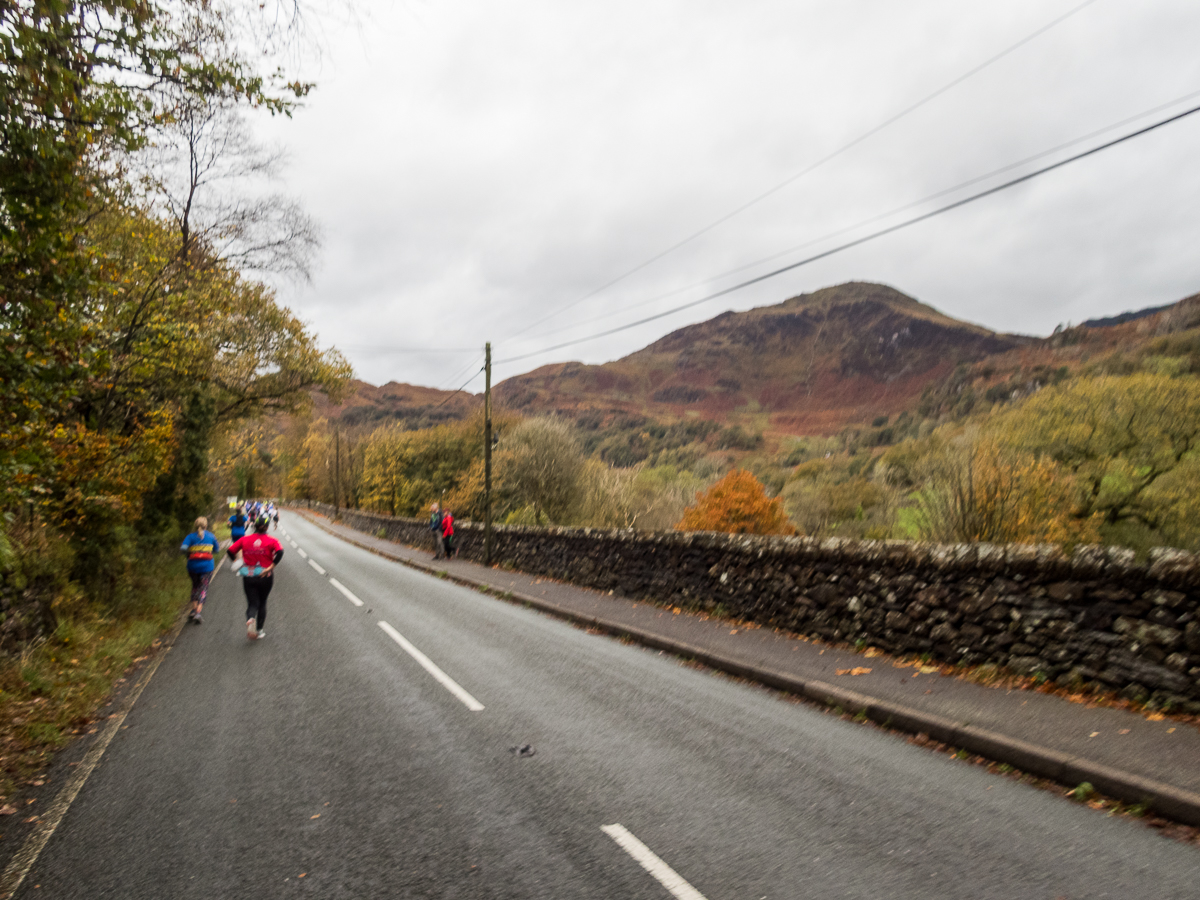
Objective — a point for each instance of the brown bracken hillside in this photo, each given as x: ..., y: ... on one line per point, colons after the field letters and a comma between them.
x: 809, y: 365
x: 814, y: 364
x: 415, y: 406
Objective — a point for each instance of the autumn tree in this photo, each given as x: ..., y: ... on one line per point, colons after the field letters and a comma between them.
x: 119, y: 354
x: 653, y: 498
x: 837, y: 496
x: 404, y: 471
x: 739, y: 504
x: 85, y: 83
x: 1124, y: 440
x: 976, y: 489
x: 542, y: 464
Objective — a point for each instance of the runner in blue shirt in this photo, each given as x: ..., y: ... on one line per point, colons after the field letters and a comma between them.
x: 201, y: 546
x: 237, y: 524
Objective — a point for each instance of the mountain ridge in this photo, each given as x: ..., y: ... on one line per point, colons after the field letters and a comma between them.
x: 813, y: 364
x: 806, y: 365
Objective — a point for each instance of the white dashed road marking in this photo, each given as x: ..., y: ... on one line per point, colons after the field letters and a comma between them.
x: 427, y: 664
x: 648, y: 860
x: 345, y: 592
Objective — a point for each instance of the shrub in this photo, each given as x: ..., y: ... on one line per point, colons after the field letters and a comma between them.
x: 738, y: 504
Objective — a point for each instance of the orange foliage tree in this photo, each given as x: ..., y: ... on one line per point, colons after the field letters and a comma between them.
x: 737, y: 503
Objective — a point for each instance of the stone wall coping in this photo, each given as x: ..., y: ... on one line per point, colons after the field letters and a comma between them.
x: 1086, y: 562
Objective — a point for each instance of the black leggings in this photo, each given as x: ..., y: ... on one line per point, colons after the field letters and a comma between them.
x: 257, y: 590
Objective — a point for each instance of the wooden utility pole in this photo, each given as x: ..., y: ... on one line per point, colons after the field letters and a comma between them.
x: 337, y: 470
x: 487, y: 453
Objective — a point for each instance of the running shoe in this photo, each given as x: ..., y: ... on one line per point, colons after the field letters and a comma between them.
x: 196, y: 620
x: 252, y: 629
x: 261, y: 635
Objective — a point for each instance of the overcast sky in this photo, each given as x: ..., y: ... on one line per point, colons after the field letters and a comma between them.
x: 476, y: 166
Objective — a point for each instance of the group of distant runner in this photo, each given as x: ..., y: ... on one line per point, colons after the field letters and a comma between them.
x: 441, y: 523
x: 254, y: 556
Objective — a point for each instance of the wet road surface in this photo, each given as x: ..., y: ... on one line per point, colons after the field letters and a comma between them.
x: 396, y: 735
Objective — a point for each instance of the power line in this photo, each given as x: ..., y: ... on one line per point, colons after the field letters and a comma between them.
x: 458, y: 372
x: 870, y: 237
x: 459, y: 390
x: 880, y: 216
x: 814, y: 166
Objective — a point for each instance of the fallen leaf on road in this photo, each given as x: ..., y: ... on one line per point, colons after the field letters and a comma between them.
x: 928, y: 670
x: 734, y: 631
x: 317, y: 816
x: 1170, y: 730
x: 857, y: 670
x: 7, y: 809
x: 873, y: 651
x: 1156, y: 717
x: 1093, y: 734
x: 1123, y: 731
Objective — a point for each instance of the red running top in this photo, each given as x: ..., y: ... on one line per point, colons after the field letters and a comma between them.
x: 256, y: 549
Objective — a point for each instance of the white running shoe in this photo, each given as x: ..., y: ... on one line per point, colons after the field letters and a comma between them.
x: 252, y: 629
x: 261, y: 635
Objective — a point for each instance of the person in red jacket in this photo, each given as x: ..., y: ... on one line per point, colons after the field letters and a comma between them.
x: 448, y: 542
x: 260, y: 552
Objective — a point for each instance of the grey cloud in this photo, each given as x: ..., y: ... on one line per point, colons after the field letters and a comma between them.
x: 476, y: 166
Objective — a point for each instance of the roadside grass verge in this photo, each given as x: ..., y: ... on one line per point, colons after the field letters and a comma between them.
x: 52, y: 692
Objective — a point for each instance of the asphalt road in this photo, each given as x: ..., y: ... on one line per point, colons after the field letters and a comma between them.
x: 327, y: 761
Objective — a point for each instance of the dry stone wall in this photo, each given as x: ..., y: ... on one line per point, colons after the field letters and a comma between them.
x: 1098, y: 617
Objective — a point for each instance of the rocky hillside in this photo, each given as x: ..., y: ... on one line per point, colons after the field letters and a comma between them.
x: 809, y: 365
x: 814, y: 364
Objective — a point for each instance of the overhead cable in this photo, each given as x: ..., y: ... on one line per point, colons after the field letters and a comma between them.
x: 459, y: 389
x: 814, y: 166
x: 478, y: 361
x: 880, y: 216
x: 870, y: 237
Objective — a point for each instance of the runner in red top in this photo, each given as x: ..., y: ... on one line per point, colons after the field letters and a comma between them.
x: 448, y: 541
x: 260, y: 552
